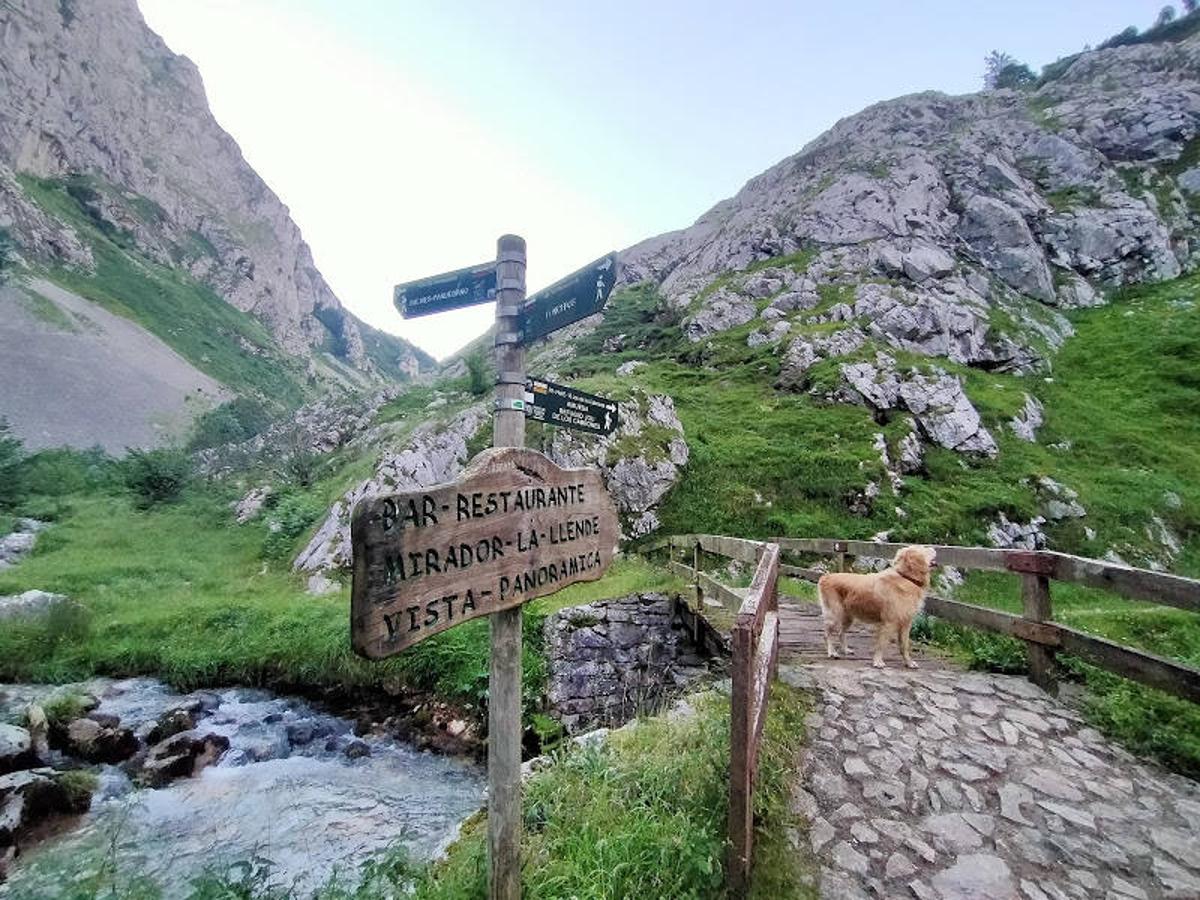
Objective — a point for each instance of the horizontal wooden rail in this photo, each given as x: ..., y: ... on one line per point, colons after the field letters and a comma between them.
x: 1037, y: 569
x: 725, y: 595
x: 1129, y: 582
x: 800, y: 572
x: 683, y: 571
x: 1136, y: 584
x: 733, y: 548
x: 983, y: 558
x: 1167, y: 675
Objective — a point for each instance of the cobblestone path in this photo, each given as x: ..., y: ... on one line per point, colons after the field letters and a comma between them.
x: 933, y: 784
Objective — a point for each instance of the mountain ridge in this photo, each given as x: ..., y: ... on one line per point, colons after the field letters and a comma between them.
x: 108, y: 149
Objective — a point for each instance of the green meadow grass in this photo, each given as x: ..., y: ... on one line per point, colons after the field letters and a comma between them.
x: 1122, y: 401
x: 1122, y: 410
x: 182, y: 593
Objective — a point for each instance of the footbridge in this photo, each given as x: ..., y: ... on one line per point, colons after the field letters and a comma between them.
x: 943, y: 782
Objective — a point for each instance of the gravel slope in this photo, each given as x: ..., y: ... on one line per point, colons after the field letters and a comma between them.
x: 107, y: 380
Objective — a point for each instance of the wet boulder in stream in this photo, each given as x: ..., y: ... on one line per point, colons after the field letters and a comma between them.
x: 180, y: 756
x: 16, y: 749
x: 100, y: 738
x: 172, y: 722
x: 29, y: 798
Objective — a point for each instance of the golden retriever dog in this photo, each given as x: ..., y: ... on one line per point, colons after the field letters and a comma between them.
x: 891, y: 598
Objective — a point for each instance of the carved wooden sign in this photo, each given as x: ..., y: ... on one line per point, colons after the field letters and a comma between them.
x: 514, y: 527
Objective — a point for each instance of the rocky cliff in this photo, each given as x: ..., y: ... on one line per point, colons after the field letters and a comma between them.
x: 959, y: 226
x: 94, y: 104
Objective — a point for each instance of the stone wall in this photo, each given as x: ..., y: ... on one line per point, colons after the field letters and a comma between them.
x: 610, y: 660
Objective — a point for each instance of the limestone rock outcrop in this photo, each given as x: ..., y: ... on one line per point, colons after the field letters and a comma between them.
x: 640, y: 462
x: 435, y: 454
x: 959, y: 223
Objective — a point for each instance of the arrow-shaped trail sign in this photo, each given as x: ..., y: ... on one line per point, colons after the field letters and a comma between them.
x: 558, y: 404
x: 450, y: 290
x: 575, y: 297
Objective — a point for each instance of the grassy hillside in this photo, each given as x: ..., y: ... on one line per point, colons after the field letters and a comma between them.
x: 219, y: 340
x: 1122, y: 428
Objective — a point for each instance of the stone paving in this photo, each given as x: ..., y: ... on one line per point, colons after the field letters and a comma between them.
x: 946, y: 784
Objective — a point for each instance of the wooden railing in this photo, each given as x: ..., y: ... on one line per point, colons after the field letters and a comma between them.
x: 754, y: 646
x: 755, y: 640
x: 1043, y: 636
x: 754, y: 635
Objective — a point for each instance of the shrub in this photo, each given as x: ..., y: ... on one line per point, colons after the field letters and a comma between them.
x: 299, y: 462
x: 291, y: 518
x: 477, y: 373
x: 11, y: 489
x: 63, y: 471
x: 79, y: 787
x: 7, y: 254
x: 1120, y: 39
x: 230, y: 423
x: 157, y: 476
x: 1015, y: 75
x: 63, y: 708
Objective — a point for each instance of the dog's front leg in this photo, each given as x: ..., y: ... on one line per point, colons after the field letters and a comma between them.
x: 881, y: 640
x: 906, y: 645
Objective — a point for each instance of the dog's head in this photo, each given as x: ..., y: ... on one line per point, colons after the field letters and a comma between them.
x: 915, y: 562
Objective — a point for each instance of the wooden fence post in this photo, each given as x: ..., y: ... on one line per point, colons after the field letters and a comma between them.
x: 741, y: 807
x: 1035, y: 596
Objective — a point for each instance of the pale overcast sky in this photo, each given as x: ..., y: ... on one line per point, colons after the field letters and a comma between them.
x: 406, y: 137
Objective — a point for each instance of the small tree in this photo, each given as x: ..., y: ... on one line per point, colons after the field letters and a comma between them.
x: 1166, y: 16
x: 300, y: 462
x: 1015, y: 75
x: 477, y: 373
x: 993, y: 64
x: 1189, y: 6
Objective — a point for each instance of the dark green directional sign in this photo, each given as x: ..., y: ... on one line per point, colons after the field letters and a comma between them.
x: 557, y: 404
x: 452, y: 290
x: 575, y: 297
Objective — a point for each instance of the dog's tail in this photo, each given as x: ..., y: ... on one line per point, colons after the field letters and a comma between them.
x: 821, y: 588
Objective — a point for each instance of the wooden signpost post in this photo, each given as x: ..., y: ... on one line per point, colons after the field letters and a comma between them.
x: 513, y: 527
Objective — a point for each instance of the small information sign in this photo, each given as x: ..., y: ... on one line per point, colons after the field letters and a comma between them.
x: 558, y: 404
